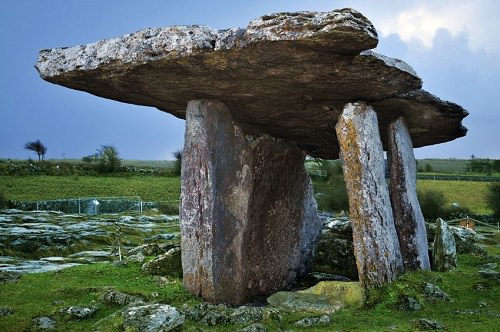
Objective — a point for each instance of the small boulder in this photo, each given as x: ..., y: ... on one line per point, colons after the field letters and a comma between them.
x: 351, y: 294
x: 427, y: 324
x: 112, y: 296
x: 445, y: 251
x: 78, y: 312
x: 408, y: 303
x: 433, y: 293
x: 43, y: 323
x: 256, y: 327
x: 6, y: 311
x: 152, y: 317
x: 168, y: 264
x: 313, y: 321
x: 304, y: 302
x: 152, y: 249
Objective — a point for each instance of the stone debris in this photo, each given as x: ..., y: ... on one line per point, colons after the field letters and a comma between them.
x: 152, y: 317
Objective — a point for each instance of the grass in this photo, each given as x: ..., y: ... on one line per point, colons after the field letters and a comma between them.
x: 40, y: 187
x: 472, y: 308
x: 44, y: 294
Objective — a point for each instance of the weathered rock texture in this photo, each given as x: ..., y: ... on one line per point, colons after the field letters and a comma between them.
x: 376, y: 244
x: 258, y: 99
x: 408, y: 217
x: 248, y: 216
x: 288, y: 75
x: 445, y: 251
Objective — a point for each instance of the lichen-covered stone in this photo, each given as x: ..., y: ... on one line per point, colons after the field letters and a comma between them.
x: 248, y: 216
x: 408, y: 217
x: 349, y: 293
x: 376, y: 244
x: 287, y: 75
x: 152, y: 317
x: 445, y: 251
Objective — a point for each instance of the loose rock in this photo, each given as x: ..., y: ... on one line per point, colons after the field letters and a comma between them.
x: 153, y: 317
x: 427, y: 324
x: 43, y: 324
x: 168, y: 264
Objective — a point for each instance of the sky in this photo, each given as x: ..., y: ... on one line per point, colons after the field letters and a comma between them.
x: 454, y: 46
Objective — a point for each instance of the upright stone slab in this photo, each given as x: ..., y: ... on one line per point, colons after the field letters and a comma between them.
x: 408, y: 217
x: 444, y: 253
x: 248, y: 214
x: 376, y: 244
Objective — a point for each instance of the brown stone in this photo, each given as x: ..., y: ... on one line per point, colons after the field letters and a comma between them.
x: 248, y: 215
x: 376, y: 244
x: 408, y: 217
x: 288, y: 75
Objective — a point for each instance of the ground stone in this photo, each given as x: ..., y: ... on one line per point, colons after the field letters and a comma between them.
x: 433, y: 293
x: 168, y: 264
x: 427, y: 324
x: 152, y: 317
x: 313, y: 321
x: 43, y: 324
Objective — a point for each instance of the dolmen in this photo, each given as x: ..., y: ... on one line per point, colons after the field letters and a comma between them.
x: 256, y: 102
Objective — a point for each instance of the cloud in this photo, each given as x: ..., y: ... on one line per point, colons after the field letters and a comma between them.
x: 420, y: 20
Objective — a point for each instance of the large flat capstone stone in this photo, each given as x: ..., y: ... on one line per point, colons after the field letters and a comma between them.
x: 287, y: 75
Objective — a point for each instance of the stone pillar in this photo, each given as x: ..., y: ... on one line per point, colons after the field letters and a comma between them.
x: 248, y: 214
x: 408, y: 217
x: 376, y: 244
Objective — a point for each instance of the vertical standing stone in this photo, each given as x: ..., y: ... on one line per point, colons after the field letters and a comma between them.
x: 408, y: 217
x: 444, y: 253
x: 376, y: 244
x: 248, y: 215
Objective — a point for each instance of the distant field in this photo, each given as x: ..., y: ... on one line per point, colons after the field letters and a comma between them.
x: 468, y: 194
x: 149, y: 188
x: 444, y: 165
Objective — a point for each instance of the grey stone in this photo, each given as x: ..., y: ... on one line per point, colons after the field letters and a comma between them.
x: 76, y: 312
x: 408, y: 217
x: 152, y: 317
x: 43, y: 323
x: 168, y: 264
x: 112, y: 296
x: 6, y: 311
x: 152, y: 249
x: 433, y: 293
x: 444, y: 252
x: 304, y: 302
x: 248, y: 220
x: 302, y: 67
x: 256, y: 327
x: 427, y: 324
x: 376, y: 244
x: 408, y: 303
x: 313, y: 321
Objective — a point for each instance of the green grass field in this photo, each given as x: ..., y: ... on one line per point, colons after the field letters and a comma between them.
x: 149, y: 188
x: 468, y: 194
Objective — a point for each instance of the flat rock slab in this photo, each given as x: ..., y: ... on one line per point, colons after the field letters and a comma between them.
x: 287, y: 75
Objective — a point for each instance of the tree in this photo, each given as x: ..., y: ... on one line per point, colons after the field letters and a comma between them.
x: 38, y: 147
x: 178, y: 162
x: 106, y: 159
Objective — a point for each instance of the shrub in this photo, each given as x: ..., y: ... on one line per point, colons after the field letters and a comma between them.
x: 333, y: 194
x: 3, y: 201
x: 432, y: 203
x: 493, y: 198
